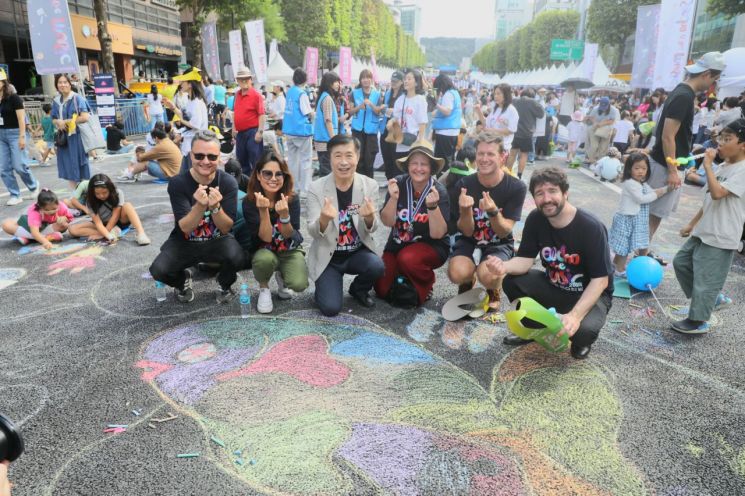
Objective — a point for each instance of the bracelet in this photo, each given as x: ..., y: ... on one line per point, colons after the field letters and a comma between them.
x: 493, y: 213
x: 434, y: 207
x: 671, y: 161
x: 284, y: 220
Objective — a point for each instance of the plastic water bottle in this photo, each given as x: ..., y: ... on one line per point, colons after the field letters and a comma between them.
x: 245, y: 301
x: 160, y: 291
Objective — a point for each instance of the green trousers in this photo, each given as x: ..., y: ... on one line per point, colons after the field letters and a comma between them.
x: 701, y: 271
x: 291, y: 264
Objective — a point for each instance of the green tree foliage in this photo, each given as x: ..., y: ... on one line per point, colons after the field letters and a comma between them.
x: 729, y: 8
x: 529, y: 47
x: 233, y: 14
x: 360, y: 24
x: 610, y: 22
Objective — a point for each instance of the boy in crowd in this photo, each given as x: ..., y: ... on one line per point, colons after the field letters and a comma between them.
x: 703, y: 262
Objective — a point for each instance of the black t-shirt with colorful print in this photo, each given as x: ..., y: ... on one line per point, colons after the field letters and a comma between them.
x: 181, y: 190
x: 415, y: 228
x: 279, y: 243
x: 349, y: 240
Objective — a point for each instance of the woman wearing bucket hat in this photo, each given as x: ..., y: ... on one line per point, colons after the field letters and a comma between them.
x: 601, y: 119
x: 416, y: 208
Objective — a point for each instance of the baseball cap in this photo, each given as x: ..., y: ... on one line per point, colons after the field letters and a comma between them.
x: 737, y: 128
x: 398, y: 75
x: 604, y: 102
x: 713, y: 61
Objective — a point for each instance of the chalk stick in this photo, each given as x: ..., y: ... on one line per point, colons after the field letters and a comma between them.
x: 187, y: 455
x: 237, y: 452
x: 217, y: 441
x: 239, y: 462
x: 136, y: 412
x: 152, y: 426
x: 114, y: 426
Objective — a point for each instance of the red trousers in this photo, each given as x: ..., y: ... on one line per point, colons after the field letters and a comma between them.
x: 416, y: 262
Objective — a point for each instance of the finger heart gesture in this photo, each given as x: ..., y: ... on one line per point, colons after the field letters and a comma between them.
x: 368, y: 209
x: 465, y: 201
x: 282, y: 208
x: 200, y: 195
x: 393, y: 189
x: 262, y: 201
x: 433, y: 198
x: 214, y: 197
x: 486, y: 204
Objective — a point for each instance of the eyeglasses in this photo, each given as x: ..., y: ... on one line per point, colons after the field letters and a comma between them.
x: 210, y: 156
x: 267, y: 174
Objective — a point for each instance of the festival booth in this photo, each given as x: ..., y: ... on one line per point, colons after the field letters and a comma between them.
x: 278, y: 69
x: 732, y: 82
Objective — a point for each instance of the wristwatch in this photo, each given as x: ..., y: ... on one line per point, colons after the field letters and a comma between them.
x: 434, y: 207
x: 284, y: 220
x: 493, y: 213
x: 216, y: 209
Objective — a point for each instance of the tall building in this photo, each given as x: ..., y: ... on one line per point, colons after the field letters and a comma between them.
x: 715, y: 33
x: 411, y: 17
x: 510, y: 15
x: 146, y: 38
x: 545, y: 5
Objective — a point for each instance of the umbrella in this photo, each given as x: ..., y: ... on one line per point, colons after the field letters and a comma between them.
x: 578, y: 83
x: 611, y: 88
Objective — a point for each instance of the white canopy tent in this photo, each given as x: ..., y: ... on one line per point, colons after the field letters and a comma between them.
x: 278, y: 69
x: 732, y: 82
x: 384, y: 73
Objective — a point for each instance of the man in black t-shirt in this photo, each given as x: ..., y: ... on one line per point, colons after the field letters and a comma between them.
x: 204, y: 201
x: 116, y: 140
x: 528, y: 109
x: 488, y: 205
x: 674, y: 136
x: 577, y: 279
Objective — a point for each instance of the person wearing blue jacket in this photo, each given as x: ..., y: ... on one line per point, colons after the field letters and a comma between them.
x: 297, y: 127
x: 326, y: 125
x: 366, y: 121
x: 446, y: 118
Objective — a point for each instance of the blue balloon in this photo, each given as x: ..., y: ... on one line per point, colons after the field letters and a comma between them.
x: 644, y: 273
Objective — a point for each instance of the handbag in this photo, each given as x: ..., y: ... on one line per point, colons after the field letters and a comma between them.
x: 408, y: 139
x: 91, y: 133
x: 60, y: 138
x: 603, y: 132
x: 403, y: 294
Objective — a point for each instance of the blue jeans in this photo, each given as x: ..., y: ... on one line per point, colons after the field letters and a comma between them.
x: 329, y: 294
x: 124, y: 149
x: 247, y: 150
x: 11, y: 161
x: 153, y: 169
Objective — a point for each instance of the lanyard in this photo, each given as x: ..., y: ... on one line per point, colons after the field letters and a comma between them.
x: 410, y: 197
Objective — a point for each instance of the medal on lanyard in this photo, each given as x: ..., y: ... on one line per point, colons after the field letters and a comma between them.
x: 410, y: 197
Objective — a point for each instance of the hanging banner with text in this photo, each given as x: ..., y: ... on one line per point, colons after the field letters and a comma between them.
x: 374, y: 65
x: 675, y: 26
x: 591, y: 57
x: 273, y: 50
x: 645, y: 46
x: 257, y: 48
x: 52, y: 41
x: 209, y: 50
x: 311, y: 64
x: 345, y: 65
x: 105, y: 107
x: 235, y: 40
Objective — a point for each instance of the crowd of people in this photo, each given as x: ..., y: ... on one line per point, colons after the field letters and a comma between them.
x: 453, y: 193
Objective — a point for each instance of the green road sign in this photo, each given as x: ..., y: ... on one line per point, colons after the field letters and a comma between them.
x: 567, y: 49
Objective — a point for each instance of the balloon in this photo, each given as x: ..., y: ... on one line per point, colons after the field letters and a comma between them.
x: 644, y: 273
x: 646, y: 128
x: 608, y: 168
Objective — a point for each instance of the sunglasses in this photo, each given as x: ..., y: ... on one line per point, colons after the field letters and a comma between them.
x: 267, y: 174
x: 210, y: 156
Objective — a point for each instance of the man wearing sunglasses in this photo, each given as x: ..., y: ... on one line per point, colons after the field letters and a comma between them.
x: 204, y: 202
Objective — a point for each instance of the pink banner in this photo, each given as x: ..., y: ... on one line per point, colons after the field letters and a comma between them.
x: 345, y: 65
x: 311, y: 64
x: 374, y: 65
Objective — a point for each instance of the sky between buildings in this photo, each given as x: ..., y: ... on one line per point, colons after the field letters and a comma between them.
x: 456, y: 18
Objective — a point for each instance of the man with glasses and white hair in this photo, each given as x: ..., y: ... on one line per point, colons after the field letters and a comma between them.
x: 204, y: 203
x: 674, y: 136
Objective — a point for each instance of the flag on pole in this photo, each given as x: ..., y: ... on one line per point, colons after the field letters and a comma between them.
x: 345, y: 65
x: 52, y: 42
x: 257, y: 48
x: 235, y: 39
x: 311, y: 64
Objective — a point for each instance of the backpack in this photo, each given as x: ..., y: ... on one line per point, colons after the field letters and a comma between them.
x: 403, y: 294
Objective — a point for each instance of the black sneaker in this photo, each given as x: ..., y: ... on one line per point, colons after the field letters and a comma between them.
x: 186, y: 293
x: 658, y: 259
x: 224, y: 295
x: 688, y: 326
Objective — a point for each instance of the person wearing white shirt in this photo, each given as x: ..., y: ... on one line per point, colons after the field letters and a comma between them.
x: 623, y: 130
x: 410, y: 112
x: 567, y: 105
x: 155, y: 106
x: 193, y: 117
x: 503, y: 118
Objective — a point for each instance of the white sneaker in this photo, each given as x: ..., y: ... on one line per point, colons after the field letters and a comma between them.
x: 14, y: 200
x: 142, y: 239
x: 265, y: 305
x: 283, y: 293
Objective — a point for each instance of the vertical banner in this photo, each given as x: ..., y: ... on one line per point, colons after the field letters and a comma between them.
x: 273, y: 50
x: 311, y: 64
x: 257, y: 47
x: 374, y: 65
x: 675, y: 26
x: 105, y: 107
x: 52, y: 41
x: 345, y: 65
x: 591, y: 57
x: 210, y: 55
x: 645, y: 46
x: 235, y: 40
